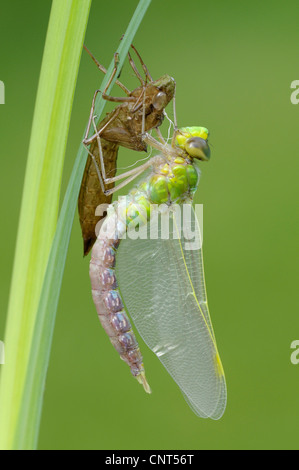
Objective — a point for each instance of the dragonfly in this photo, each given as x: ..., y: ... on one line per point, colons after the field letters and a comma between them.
x: 159, y: 281
x: 141, y: 110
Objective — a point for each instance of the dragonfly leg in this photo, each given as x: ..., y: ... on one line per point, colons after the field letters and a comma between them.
x: 104, y: 70
x: 174, y: 137
x: 174, y: 112
x: 116, y: 61
x: 96, y: 167
x: 130, y: 175
x: 88, y: 140
x: 174, y: 121
x: 160, y: 136
x: 150, y: 140
x: 122, y: 99
x: 121, y: 85
x: 147, y: 76
x: 102, y: 174
x: 143, y: 83
x: 143, y: 113
x: 135, y: 70
x: 132, y: 63
x: 100, y: 153
x: 139, y: 103
x: 145, y: 69
x: 118, y: 99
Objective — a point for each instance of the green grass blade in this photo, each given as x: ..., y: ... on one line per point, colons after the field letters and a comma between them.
x: 30, y: 410
x: 40, y: 201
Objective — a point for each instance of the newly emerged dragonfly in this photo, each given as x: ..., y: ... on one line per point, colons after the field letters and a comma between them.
x: 141, y: 110
x: 159, y: 281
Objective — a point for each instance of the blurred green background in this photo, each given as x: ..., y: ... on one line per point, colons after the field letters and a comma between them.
x: 233, y: 63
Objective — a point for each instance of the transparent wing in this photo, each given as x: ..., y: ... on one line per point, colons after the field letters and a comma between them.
x: 163, y: 288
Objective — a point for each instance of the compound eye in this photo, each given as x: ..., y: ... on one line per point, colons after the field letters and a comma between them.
x: 197, y: 147
x: 160, y: 101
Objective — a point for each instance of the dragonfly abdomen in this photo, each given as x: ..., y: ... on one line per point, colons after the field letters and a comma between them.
x: 110, y: 308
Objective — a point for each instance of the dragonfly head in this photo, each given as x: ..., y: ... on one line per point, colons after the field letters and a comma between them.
x: 198, y: 148
x: 194, y: 140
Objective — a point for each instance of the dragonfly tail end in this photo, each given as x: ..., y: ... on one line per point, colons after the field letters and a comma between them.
x: 142, y: 380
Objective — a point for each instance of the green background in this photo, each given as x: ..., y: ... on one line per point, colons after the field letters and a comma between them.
x: 233, y: 63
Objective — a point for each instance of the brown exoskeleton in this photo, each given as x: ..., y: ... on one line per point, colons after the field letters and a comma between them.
x: 141, y: 110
